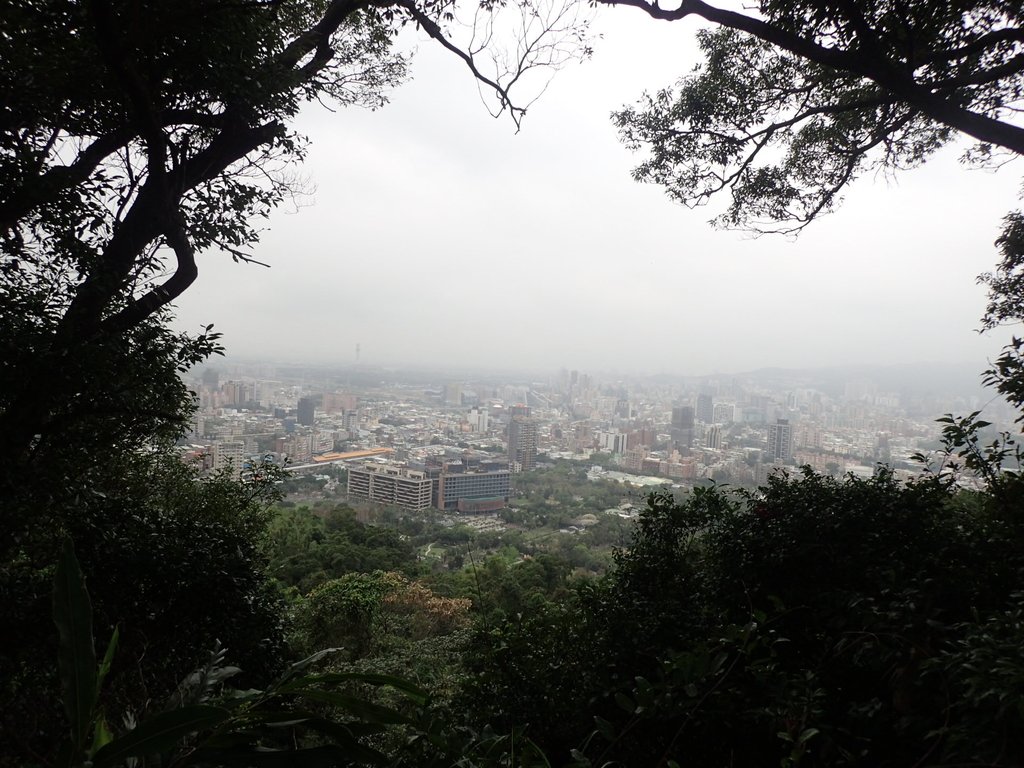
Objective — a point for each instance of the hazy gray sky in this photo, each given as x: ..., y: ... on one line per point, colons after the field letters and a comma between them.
x: 437, y: 235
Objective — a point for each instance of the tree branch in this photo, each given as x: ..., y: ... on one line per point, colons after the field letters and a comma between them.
x: 988, y: 40
x: 38, y: 189
x: 318, y: 34
x: 161, y: 295
x: 431, y: 28
x: 879, y: 70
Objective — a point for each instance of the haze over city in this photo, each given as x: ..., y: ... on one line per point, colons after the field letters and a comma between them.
x: 437, y: 235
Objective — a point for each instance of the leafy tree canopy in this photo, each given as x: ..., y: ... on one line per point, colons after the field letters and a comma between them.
x: 796, y: 99
x: 818, y: 621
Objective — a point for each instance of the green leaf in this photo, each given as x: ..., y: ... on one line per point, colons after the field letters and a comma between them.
x: 364, y: 710
x: 606, y: 728
x: 418, y: 695
x: 160, y: 733
x: 101, y: 735
x: 300, y: 666
x: 342, y: 736
x: 625, y: 702
x: 76, y: 658
x: 807, y: 735
x: 108, y: 660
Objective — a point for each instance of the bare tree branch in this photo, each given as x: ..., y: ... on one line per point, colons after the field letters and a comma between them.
x: 434, y: 30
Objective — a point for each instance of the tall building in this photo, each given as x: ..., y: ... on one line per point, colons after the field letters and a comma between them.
x: 211, y: 378
x: 723, y: 413
x: 633, y: 459
x: 780, y: 441
x: 238, y: 392
x: 478, y: 419
x: 713, y: 438
x: 393, y: 484
x: 682, y: 426
x: 612, y: 441
x: 682, y: 417
x: 645, y: 436
x: 229, y: 456
x: 453, y: 394
x: 522, y: 444
x: 705, y: 408
x: 306, y: 410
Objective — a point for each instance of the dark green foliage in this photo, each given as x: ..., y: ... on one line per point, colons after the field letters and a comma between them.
x: 206, y: 724
x: 819, y: 621
x: 173, y: 562
x: 306, y: 548
x: 1006, y: 307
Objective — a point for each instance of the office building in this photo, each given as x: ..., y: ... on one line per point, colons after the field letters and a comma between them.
x: 522, y: 444
x: 478, y: 419
x: 682, y: 426
x: 460, y: 488
x: 395, y: 484
x: 780, y: 441
x: 306, y: 410
x: 229, y: 456
x: 612, y: 441
x: 723, y: 413
x: 453, y: 394
x: 705, y: 408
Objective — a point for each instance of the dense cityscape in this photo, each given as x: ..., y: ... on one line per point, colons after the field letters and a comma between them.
x: 425, y: 441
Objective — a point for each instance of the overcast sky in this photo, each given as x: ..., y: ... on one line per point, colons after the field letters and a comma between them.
x: 437, y: 235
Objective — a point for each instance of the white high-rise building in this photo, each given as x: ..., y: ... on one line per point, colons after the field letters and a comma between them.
x: 229, y: 455
x: 613, y: 441
x: 478, y: 419
x: 522, y: 444
x: 724, y: 413
x: 780, y: 441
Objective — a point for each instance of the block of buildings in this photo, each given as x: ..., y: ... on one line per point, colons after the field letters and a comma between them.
x: 395, y: 484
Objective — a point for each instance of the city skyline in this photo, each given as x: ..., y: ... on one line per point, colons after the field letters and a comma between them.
x: 460, y: 443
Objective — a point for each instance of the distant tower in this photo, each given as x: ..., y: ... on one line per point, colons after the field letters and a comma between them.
x: 453, y: 394
x: 723, y: 413
x: 307, y: 406
x: 780, y: 441
x: 682, y: 426
x: 357, y: 351
x: 211, y: 378
x: 705, y: 408
x: 522, y: 444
